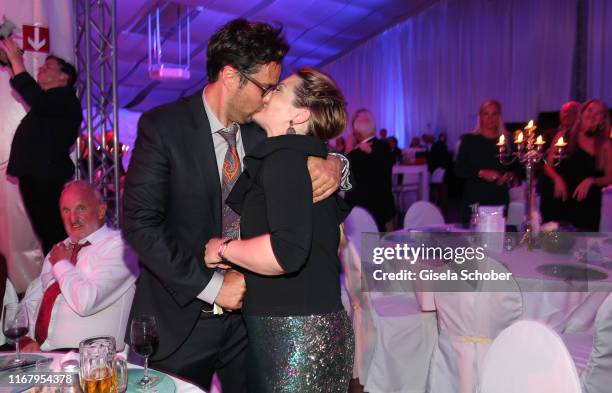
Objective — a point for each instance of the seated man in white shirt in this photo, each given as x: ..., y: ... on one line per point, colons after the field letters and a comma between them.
x: 87, y: 281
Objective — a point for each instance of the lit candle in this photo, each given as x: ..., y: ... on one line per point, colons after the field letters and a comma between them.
x: 519, y: 138
x: 530, y: 126
x: 502, y: 140
x: 539, y: 140
x: 560, y: 142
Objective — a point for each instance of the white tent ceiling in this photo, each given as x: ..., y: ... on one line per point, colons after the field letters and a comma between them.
x: 318, y: 31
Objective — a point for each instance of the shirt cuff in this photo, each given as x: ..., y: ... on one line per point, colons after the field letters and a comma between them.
x: 60, y: 268
x: 209, y: 294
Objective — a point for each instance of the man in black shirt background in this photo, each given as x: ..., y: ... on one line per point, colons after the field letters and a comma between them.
x: 40, y: 152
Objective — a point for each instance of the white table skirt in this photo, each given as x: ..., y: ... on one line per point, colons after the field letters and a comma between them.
x: 182, y: 386
x: 552, y: 301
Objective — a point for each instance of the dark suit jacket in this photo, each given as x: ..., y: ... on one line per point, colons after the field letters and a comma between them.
x: 172, y: 207
x: 41, y: 145
x: 372, y: 181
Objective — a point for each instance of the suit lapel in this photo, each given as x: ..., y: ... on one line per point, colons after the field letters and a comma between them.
x: 204, y: 150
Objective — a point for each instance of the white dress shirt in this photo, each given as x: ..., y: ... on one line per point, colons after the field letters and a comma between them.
x: 96, y: 293
x: 209, y: 294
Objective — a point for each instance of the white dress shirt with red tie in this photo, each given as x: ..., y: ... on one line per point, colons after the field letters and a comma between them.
x: 96, y: 293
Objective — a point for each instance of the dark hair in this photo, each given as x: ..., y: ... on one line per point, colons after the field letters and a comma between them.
x: 246, y: 46
x: 66, y: 68
x: 318, y: 92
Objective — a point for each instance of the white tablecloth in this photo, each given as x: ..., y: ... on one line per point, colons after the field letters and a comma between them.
x: 563, y: 305
x: 181, y: 385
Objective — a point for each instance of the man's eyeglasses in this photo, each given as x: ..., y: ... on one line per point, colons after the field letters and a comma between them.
x: 265, y: 90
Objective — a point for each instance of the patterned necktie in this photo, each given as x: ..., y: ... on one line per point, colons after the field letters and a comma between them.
x: 41, y: 330
x: 231, y: 171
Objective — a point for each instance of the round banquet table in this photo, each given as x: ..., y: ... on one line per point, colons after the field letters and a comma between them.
x: 182, y: 386
x: 564, y: 305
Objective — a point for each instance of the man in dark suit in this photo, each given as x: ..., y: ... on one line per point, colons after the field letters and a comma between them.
x: 40, y: 152
x: 173, y: 204
x: 371, y: 165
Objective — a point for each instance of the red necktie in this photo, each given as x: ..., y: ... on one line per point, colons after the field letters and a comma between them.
x: 48, y: 301
x: 230, y: 220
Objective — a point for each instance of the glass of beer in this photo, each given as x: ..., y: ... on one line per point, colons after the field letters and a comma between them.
x: 101, y: 370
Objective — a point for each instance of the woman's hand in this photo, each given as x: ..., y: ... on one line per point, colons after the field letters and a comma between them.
x: 489, y: 175
x: 581, y: 192
x: 505, y: 178
x: 211, y: 254
x: 560, y: 188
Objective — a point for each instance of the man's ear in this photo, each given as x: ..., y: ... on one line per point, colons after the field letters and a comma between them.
x: 102, y: 207
x: 230, y: 77
x: 64, y: 78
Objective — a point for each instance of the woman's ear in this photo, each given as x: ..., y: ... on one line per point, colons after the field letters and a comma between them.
x: 302, y: 116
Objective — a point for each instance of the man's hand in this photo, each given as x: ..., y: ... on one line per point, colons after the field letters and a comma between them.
x: 232, y: 291
x: 14, y: 54
x: 60, y: 251
x: 325, y: 175
x: 28, y: 345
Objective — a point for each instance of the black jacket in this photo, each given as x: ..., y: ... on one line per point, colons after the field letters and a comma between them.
x: 372, y: 181
x: 42, y: 142
x: 172, y: 207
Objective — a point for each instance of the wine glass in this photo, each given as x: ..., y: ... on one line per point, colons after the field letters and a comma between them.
x: 15, y: 325
x: 145, y: 339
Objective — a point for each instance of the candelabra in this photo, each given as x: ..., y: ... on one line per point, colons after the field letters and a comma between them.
x: 529, y: 153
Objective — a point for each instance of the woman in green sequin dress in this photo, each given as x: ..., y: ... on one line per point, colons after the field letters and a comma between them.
x: 300, y: 337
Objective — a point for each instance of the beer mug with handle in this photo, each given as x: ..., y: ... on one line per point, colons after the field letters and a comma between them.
x: 101, y: 370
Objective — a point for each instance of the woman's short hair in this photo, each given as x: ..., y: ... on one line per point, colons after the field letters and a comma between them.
x: 318, y: 93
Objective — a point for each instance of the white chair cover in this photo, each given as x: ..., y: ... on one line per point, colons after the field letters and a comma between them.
x: 437, y: 176
x: 10, y: 296
x: 528, y: 357
x: 593, y: 354
x: 518, y: 193
x: 605, y: 224
x: 421, y: 214
x: 405, y: 339
x: 358, y: 222
x: 467, y: 323
x: 516, y: 213
x: 363, y: 324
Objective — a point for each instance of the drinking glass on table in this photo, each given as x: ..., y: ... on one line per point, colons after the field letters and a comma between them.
x: 101, y: 369
x: 15, y: 325
x: 145, y: 339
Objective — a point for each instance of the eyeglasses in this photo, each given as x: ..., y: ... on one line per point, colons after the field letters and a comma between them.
x: 264, y: 90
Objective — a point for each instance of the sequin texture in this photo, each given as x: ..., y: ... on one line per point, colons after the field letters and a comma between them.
x: 300, y: 354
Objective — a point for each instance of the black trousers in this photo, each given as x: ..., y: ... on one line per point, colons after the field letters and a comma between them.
x: 216, y: 344
x: 41, y: 200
